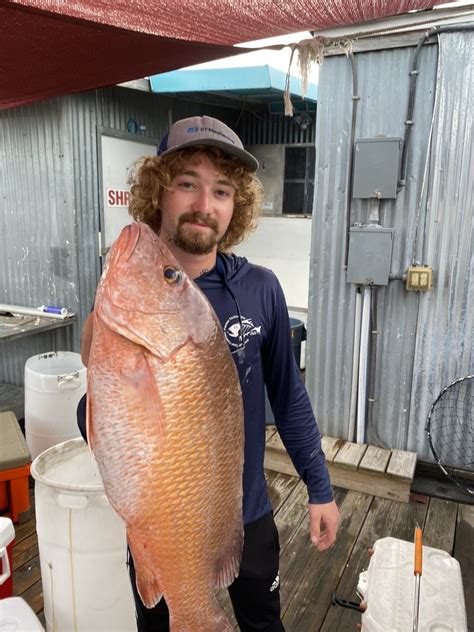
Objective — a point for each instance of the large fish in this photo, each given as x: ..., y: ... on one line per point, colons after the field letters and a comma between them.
x: 165, y: 423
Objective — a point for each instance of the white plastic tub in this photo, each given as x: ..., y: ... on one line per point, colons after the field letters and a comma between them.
x: 388, y: 588
x: 54, y: 384
x: 82, y: 545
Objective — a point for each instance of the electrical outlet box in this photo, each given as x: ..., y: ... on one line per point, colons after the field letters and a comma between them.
x: 370, y: 255
x: 419, y: 278
x: 376, y: 167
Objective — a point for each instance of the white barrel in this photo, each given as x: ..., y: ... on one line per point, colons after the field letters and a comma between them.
x: 54, y: 384
x: 82, y: 545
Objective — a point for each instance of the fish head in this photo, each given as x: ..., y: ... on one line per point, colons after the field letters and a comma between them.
x: 145, y: 295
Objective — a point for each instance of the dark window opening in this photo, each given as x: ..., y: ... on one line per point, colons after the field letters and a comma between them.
x: 298, y: 186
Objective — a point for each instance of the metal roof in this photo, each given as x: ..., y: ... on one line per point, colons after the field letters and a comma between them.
x: 256, y: 85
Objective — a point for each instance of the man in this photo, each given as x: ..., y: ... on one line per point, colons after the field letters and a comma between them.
x: 202, y: 196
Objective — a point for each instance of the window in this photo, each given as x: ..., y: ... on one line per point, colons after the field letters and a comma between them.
x: 298, y: 186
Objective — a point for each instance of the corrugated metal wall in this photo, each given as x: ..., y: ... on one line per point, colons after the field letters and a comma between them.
x: 425, y: 339
x: 49, y: 202
x: 256, y: 129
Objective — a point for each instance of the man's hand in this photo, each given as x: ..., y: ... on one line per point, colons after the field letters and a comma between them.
x: 324, y: 521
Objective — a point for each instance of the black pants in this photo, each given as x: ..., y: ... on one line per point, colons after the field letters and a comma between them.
x: 255, y: 594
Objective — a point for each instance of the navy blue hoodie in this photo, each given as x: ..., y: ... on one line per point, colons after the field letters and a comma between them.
x: 260, y: 341
x: 235, y: 285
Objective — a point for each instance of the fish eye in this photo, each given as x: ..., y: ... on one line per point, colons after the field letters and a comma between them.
x: 172, y: 275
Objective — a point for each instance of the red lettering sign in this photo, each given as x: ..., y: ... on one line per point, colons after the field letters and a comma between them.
x: 117, y: 197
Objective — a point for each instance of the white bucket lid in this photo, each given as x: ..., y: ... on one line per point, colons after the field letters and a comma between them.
x: 7, y: 531
x: 68, y: 466
x: 17, y: 616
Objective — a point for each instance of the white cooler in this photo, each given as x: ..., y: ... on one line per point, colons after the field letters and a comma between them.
x: 17, y: 616
x: 388, y: 588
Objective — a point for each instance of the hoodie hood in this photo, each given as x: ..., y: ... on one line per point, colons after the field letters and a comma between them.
x: 228, y: 270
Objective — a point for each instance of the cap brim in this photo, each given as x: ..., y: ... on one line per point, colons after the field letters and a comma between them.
x: 244, y: 156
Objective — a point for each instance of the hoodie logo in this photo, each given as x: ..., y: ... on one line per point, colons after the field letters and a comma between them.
x: 233, y: 334
x: 276, y: 583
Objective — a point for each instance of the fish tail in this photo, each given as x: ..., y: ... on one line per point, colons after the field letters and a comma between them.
x: 145, y: 578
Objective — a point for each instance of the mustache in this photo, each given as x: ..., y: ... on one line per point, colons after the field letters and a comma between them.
x: 199, y: 218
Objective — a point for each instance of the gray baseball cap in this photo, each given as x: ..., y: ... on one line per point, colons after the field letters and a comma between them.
x: 205, y: 130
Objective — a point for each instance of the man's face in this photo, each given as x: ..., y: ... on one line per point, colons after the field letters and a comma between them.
x: 196, y: 212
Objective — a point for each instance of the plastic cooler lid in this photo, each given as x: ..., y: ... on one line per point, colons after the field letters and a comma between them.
x: 7, y: 531
x: 13, y: 449
x: 388, y: 587
x: 17, y: 616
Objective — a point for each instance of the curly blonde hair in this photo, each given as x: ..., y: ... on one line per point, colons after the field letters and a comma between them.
x: 153, y: 174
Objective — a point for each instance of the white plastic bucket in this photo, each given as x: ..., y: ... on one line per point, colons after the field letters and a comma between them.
x: 54, y: 384
x: 82, y: 545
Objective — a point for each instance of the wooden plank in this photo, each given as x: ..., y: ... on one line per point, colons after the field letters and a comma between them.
x: 279, y: 488
x: 25, y: 529
x: 331, y: 447
x: 25, y: 551
x: 291, y: 515
x: 381, y: 513
x: 26, y: 576
x: 402, y: 465
x: 269, y: 432
x: 375, y: 460
x: 464, y: 553
x: 440, y: 525
x: 350, y: 455
x: 34, y: 597
x: 367, y: 483
x: 308, y: 587
x: 384, y: 518
x: 274, y: 442
x: 279, y: 462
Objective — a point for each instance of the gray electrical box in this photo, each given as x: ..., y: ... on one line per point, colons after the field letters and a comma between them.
x: 376, y: 167
x: 370, y: 255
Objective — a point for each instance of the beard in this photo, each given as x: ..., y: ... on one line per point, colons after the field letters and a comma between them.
x: 192, y: 241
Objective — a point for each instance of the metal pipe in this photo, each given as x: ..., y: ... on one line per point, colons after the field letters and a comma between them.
x: 35, y: 311
x: 363, y: 364
x: 417, y: 573
x: 355, y: 365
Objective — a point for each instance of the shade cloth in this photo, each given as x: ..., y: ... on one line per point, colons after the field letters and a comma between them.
x: 54, y: 47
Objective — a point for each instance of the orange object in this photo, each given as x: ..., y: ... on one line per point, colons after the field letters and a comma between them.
x: 418, y: 551
x: 16, y: 489
x: 3, y: 496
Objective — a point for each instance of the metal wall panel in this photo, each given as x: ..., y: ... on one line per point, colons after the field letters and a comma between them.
x: 424, y: 339
x: 49, y: 202
x: 38, y: 263
x: 256, y: 129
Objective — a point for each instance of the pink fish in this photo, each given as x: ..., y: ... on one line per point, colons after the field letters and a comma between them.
x: 165, y: 423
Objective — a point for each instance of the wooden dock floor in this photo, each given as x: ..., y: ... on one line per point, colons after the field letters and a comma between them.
x: 308, y: 577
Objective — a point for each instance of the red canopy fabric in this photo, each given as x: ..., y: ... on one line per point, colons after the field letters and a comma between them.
x: 53, y: 47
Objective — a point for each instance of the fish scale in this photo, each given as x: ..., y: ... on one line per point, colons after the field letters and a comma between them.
x: 165, y: 423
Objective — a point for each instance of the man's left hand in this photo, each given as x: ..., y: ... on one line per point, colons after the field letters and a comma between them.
x: 324, y: 521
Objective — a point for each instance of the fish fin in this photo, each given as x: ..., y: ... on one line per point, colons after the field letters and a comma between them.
x: 89, y: 420
x: 145, y: 579
x: 228, y: 566
x: 142, y: 392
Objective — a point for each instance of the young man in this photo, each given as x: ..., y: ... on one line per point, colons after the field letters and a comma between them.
x: 201, y: 194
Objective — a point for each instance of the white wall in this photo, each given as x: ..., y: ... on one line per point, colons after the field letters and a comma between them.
x: 283, y: 244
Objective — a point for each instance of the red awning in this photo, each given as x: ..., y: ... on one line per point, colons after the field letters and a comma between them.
x: 53, y: 47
